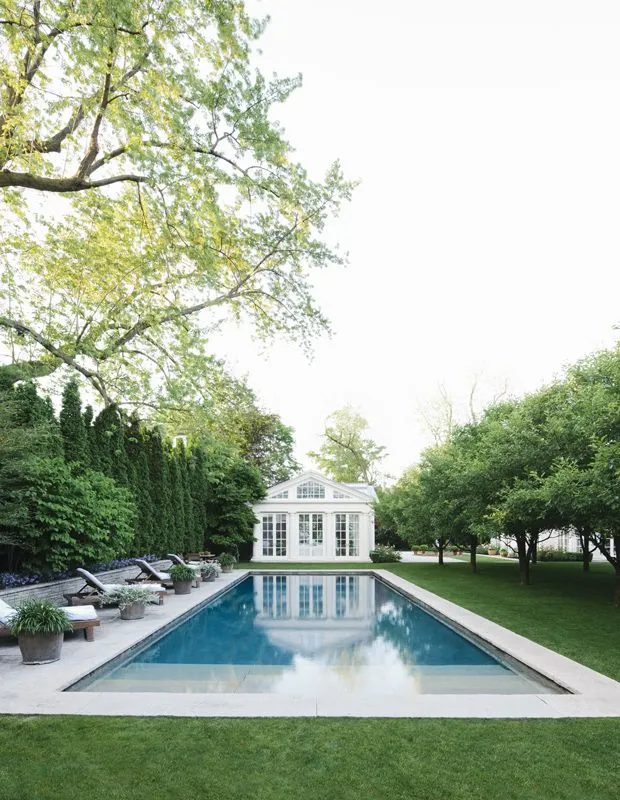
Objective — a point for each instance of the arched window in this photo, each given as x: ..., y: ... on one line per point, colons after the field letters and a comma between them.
x: 310, y: 490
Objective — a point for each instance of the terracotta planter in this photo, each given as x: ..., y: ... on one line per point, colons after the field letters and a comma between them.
x: 134, y: 611
x: 40, y: 649
x: 182, y: 587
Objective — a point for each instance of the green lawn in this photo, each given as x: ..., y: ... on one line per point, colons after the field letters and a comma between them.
x: 80, y: 758
x: 72, y: 758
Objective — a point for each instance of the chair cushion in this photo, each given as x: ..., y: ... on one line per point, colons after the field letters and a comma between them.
x: 80, y: 613
x: 4, y: 607
x: 6, y: 615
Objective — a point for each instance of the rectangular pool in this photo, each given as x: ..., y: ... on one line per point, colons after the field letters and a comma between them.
x: 314, y: 634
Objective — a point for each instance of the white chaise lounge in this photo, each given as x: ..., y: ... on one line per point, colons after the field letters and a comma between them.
x: 94, y: 590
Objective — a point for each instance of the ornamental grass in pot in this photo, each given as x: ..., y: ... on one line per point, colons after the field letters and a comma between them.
x: 39, y: 626
x: 131, y: 600
x: 227, y: 561
x: 182, y: 578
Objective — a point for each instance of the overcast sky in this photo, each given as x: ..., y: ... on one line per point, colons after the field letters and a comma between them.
x: 484, y: 236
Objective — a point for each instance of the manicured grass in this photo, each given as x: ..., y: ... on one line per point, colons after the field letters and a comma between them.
x: 73, y: 758
x: 564, y: 609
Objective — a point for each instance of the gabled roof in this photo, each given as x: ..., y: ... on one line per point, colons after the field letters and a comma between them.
x: 359, y: 491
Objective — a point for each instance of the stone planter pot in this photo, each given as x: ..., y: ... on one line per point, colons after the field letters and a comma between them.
x: 208, y: 578
x: 227, y: 568
x: 182, y: 587
x: 40, y: 649
x: 134, y: 611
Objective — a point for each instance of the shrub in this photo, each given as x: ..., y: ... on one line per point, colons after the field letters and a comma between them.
x: 482, y: 550
x: 72, y: 518
x: 209, y: 569
x: 383, y: 554
x: 548, y: 554
x: 126, y: 596
x: 181, y: 573
x: 227, y: 559
x: 39, y: 617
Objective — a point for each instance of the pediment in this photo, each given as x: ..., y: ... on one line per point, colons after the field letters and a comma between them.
x: 314, y: 486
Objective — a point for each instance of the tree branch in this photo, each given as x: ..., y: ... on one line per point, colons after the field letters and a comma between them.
x: 27, y: 180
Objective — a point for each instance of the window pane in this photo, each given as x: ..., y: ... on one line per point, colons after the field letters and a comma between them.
x: 310, y: 489
x: 268, y: 535
x: 281, y: 535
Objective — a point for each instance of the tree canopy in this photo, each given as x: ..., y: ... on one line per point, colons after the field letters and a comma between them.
x: 346, y: 453
x: 184, y: 204
x: 547, y: 462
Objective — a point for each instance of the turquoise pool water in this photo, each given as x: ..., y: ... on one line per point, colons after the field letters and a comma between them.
x: 313, y: 634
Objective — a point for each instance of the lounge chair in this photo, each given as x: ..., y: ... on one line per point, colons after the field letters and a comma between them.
x: 149, y: 574
x: 94, y: 590
x: 82, y: 619
x: 195, y: 565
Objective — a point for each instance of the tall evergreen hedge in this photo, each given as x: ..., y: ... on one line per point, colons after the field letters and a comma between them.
x: 107, y: 486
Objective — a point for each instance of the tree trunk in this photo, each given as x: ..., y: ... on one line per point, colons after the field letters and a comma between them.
x: 584, y: 540
x: 534, y: 551
x: 472, y: 554
x: 617, y: 566
x: 524, y: 561
x: 440, y: 550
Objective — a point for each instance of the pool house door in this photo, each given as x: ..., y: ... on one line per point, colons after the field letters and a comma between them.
x: 310, y: 527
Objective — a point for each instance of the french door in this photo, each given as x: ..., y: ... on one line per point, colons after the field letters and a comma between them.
x: 310, y: 535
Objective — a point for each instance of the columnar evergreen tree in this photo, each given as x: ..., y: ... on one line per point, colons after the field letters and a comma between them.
x: 159, y: 487
x: 139, y: 480
x: 72, y: 425
x: 88, y: 418
x: 109, y: 445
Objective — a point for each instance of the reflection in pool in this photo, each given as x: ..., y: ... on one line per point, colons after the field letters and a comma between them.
x: 313, y: 634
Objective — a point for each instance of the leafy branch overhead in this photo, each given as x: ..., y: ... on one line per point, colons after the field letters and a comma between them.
x: 184, y: 205
x: 346, y: 454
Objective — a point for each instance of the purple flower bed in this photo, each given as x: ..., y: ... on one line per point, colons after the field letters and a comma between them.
x: 11, y: 580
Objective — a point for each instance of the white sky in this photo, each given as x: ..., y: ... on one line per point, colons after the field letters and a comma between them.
x: 484, y: 235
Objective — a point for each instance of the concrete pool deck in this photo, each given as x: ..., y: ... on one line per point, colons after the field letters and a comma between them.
x: 39, y: 690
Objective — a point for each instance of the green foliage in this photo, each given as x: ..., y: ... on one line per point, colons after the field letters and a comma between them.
x: 383, y: 554
x: 126, y: 596
x: 39, y: 617
x: 72, y: 518
x: 549, y: 554
x: 227, y: 559
x: 208, y: 199
x: 182, y: 573
x: 72, y: 425
x: 346, y: 454
x: 229, y: 488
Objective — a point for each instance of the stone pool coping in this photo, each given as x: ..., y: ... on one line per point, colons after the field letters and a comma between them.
x: 38, y: 690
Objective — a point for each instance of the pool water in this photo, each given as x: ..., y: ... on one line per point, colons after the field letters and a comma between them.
x: 313, y: 634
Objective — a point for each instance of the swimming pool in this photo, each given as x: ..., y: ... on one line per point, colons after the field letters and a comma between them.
x: 314, y: 634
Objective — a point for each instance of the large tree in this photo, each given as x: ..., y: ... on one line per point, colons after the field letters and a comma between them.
x: 346, y: 453
x: 185, y: 205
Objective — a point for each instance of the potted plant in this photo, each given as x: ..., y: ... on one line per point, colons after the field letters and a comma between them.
x: 227, y: 560
x: 422, y: 548
x: 39, y: 626
x: 131, y: 600
x: 182, y: 578
x: 503, y: 552
x: 208, y: 572
x: 492, y: 551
